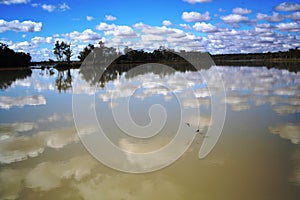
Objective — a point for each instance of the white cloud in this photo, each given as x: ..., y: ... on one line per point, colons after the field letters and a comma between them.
x: 289, y: 27
x: 17, y: 26
x: 185, y: 26
x: 48, y: 7
x: 64, y: 7
x: 204, y: 27
x: 8, y: 2
x: 116, y: 30
x: 38, y: 40
x: 195, y: 16
x: 288, y: 6
x: 294, y: 16
x: 140, y: 25
x: 197, y: 1
x: 276, y: 17
x: 110, y: 18
x: 86, y: 36
x: 167, y: 23
x: 241, y: 11
x: 89, y: 18
x: 234, y: 18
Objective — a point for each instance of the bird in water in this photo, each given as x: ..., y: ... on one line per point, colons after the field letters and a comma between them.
x: 189, y: 125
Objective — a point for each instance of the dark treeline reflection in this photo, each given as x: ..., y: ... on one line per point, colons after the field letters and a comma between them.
x: 101, y: 69
x: 95, y: 75
x: 8, y: 77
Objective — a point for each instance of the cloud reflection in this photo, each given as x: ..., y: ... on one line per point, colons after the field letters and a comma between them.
x: 54, y: 173
x: 13, y: 149
x: 287, y: 131
x: 7, y: 102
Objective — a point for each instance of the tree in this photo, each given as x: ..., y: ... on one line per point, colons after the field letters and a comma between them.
x: 68, y: 52
x: 85, y: 52
x: 10, y: 58
x: 62, y: 51
x: 58, y: 51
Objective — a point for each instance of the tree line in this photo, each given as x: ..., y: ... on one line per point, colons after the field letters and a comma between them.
x: 10, y: 58
x: 280, y: 55
x: 63, y: 53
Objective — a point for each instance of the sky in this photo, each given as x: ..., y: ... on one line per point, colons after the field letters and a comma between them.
x: 215, y: 26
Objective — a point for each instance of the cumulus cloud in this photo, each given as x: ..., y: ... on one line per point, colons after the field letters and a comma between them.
x: 116, y: 30
x: 289, y: 27
x: 197, y: 1
x: 7, y: 102
x: 110, y: 18
x: 167, y: 23
x: 195, y: 16
x: 288, y: 6
x: 276, y: 17
x: 185, y: 26
x: 205, y: 27
x: 86, y: 36
x: 234, y: 18
x: 38, y: 40
x: 294, y: 16
x: 17, y: 26
x: 8, y: 2
x: 89, y: 18
x: 241, y: 11
x: 48, y: 7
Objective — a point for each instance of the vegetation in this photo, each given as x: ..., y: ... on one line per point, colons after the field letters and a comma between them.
x: 290, y: 55
x: 282, y: 60
x: 8, y: 77
x: 10, y: 58
x: 85, y: 52
x: 62, y: 51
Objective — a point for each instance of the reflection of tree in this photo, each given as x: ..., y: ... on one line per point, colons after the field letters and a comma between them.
x: 100, y: 66
x: 63, y: 81
x: 10, y: 76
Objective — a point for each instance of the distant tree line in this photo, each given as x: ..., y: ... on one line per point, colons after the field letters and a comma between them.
x: 10, y: 58
x: 280, y: 55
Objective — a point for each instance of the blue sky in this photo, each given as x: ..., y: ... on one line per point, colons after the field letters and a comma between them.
x: 216, y: 26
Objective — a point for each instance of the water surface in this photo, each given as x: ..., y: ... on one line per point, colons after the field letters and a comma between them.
x: 256, y: 157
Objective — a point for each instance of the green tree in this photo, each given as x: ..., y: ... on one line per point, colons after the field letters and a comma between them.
x: 85, y: 52
x: 68, y: 52
x: 10, y: 58
x: 62, y: 51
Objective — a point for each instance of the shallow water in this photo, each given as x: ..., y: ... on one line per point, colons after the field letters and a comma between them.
x: 256, y: 157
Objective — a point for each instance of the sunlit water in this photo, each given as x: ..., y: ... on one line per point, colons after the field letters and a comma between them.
x: 256, y: 157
